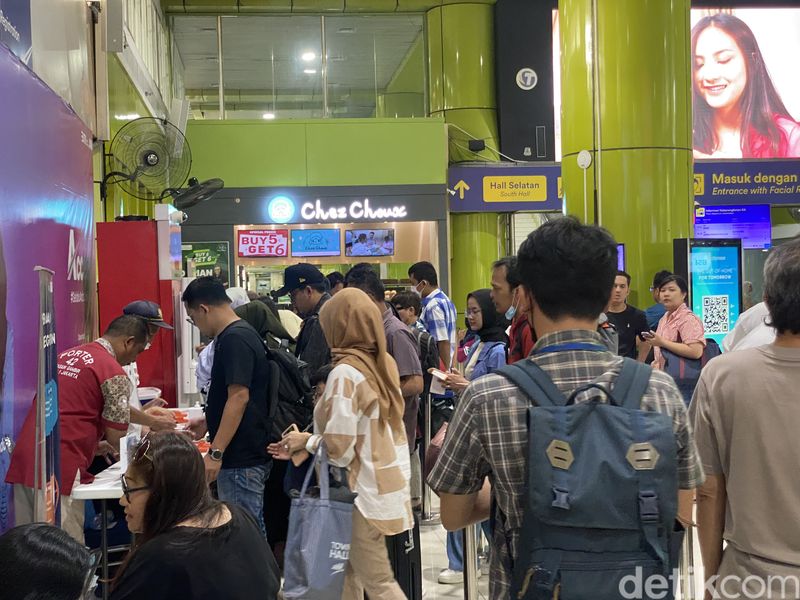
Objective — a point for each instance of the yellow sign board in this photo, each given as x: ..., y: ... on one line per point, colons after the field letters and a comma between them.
x: 511, y: 188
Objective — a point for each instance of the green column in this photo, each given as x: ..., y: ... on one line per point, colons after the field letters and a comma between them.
x: 631, y: 108
x: 474, y: 238
x: 461, y: 74
x: 461, y: 88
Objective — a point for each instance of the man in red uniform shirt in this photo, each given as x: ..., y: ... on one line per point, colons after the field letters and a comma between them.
x: 93, y: 395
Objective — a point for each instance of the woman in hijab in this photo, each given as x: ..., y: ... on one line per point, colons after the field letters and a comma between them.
x: 485, y: 356
x: 489, y: 353
x: 360, y: 419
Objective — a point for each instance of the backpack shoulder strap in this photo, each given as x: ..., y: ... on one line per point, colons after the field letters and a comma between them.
x: 534, y: 382
x: 632, y: 383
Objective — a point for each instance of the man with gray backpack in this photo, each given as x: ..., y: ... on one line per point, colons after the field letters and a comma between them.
x: 582, y: 459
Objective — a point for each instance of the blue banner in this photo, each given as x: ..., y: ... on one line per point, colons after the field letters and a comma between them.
x: 510, y: 188
x: 747, y: 182
x: 504, y: 188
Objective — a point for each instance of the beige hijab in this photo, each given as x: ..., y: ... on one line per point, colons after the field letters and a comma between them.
x: 353, y: 327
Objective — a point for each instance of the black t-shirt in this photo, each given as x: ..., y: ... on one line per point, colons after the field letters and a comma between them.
x: 232, y: 561
x: 240, y: 359
x: 629, y: 323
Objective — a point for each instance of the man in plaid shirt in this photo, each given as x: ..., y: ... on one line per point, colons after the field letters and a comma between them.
x: 567, y: 272
x: 438, y: 312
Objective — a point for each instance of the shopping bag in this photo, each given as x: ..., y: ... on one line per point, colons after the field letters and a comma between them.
x: 318, y: 542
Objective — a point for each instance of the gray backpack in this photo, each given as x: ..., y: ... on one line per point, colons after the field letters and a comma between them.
x: 601, y: 489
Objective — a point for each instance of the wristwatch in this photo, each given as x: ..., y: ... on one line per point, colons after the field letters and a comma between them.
x: 215, y: 454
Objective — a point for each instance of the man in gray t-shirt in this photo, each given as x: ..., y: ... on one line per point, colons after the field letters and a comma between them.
x: 746, y: 415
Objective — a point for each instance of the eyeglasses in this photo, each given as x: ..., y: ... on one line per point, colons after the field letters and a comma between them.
x: 473, y: 311
x: 142, y: 449
x: 127, y: 491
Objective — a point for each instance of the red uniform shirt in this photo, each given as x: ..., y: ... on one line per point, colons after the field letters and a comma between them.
x: 93, y: 393
x: 521, y: 339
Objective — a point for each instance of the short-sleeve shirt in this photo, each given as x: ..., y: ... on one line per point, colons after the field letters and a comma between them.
x: 488, y: 436
x: 439, y: 317
x: 240, y: 359
x: 93, y: 393
x: 401, y: 346
x: 682, y: 325
x: 746, y: 416
x: 629, y: 323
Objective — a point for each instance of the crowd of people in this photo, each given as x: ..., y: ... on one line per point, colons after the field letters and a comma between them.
x: 551, y: 347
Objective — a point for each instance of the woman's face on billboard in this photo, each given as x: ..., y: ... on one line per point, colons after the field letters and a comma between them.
x: 720, y: 72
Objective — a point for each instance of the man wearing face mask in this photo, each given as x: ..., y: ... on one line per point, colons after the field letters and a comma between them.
x: 438, y: 311
x: 507, y: 298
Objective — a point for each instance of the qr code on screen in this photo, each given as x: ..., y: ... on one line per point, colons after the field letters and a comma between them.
x: 715, y: 314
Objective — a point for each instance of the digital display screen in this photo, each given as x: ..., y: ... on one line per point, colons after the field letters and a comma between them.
x: 732, y: 50
x: 316, y: 242
x: 369, y: 242
x: 716, y: 286
x: 750, y: 223
x: 620, y: 257
x: 267, y: 243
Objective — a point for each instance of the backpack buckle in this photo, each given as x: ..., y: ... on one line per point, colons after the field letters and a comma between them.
x: 648, y: 506
x: 561, y: 498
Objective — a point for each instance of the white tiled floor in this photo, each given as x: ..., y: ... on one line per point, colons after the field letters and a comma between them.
x: 434, y: 559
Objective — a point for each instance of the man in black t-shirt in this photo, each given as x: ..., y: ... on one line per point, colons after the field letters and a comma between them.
x: 237, y: 407
x: 629, y: 321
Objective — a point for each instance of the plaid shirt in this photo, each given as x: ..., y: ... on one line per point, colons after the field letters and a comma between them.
x: 487, y: 436
x: 439, y: 317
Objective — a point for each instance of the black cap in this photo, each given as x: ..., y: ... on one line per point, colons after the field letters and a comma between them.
x: 299, y: 275
x: 149, y: 311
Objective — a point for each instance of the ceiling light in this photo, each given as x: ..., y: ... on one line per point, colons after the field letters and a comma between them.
x: 310, y: 71
x: 347, y: 30
x: 128, y: 117
x: 308, y: 56
x: 268, y: 116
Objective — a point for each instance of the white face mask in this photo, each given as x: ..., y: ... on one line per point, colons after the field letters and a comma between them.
x: 512, y: 310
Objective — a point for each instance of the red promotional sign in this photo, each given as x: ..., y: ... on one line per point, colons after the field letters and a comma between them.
x: 264, y: 243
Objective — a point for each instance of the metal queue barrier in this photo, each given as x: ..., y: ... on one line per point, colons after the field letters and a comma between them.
x: 429, y: 518
x: 470, y: 563
x: 686, y: 566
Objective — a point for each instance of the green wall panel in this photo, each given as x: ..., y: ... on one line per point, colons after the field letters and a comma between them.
x: 405, y: 152
x: 248, y: 154
x: 320, y: 153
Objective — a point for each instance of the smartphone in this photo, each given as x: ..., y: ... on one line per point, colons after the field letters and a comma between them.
x: 290, y: 429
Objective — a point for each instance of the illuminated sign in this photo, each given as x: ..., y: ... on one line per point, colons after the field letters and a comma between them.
x: 358, y: 209
x: 280, y: 209
x: 264, y: 244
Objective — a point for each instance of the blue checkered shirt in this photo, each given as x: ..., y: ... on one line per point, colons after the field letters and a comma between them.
x: 439, y: 317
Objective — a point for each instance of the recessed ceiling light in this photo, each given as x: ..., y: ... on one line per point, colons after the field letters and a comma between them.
x: 268, y: 116
x: 308, y: 56
x: 347, y: 30
x: 310, y: 71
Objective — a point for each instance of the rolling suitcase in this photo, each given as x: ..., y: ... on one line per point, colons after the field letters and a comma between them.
x: 405, y: 556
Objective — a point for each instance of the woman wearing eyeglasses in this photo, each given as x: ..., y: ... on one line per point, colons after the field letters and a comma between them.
x: 188, y: 545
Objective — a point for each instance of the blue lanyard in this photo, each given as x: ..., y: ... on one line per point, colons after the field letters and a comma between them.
x: 572, y: 346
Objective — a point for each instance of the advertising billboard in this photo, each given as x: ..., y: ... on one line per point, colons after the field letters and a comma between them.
x: 268, y: 243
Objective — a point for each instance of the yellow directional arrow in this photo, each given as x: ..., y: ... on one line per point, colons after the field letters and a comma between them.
x: 461, y: 187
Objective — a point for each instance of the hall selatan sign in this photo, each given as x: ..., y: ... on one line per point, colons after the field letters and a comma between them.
x: 538, y: 188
